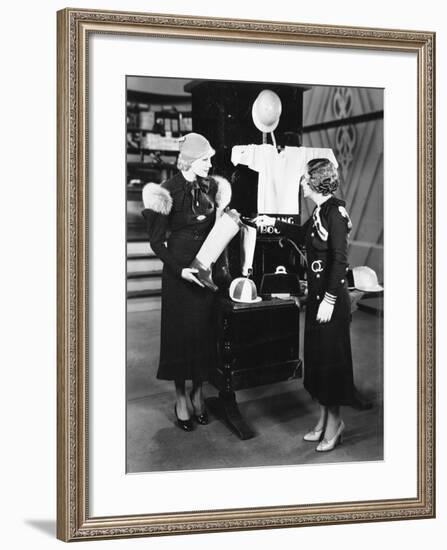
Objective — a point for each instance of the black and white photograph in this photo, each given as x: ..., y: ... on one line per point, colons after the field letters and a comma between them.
x: 223, y: 227
x: 255, y: 274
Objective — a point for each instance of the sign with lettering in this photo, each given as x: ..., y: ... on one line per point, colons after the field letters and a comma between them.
x: 288, y: 218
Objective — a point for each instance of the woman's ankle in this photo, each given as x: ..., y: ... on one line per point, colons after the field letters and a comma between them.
x: 320, y: 425
x: 333, y: 424
x: 197, y: 398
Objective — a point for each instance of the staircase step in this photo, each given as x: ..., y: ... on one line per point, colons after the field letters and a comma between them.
x: 144, y: 263
x: 142, y: 256
x: 136, y: 234
x: 146, y: 293
x: 144, y: 274
x: 143, y: 303
x: 144, y: 283
x: 139, y: 247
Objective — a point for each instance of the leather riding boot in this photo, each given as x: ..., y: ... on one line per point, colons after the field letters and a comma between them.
x: 248, y: 245
x: 204, y: 274
x: 223, y: 231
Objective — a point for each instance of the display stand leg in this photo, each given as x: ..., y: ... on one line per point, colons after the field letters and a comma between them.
x: 226, y: 409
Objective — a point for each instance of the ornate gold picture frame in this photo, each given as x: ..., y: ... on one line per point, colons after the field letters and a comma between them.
x: 75, y: 29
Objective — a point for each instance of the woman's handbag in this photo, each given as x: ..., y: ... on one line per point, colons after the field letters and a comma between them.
x: 280, y: 284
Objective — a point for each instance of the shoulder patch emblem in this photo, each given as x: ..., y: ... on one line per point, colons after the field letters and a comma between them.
x: 343, y: 212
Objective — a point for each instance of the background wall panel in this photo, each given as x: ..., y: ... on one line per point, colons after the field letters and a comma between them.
x: 358, y: 146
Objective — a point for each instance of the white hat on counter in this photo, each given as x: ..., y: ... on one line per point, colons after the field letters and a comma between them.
x: 365, y: 279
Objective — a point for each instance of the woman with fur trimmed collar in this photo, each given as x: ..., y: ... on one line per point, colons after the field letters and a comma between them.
x: 180, y: 214
x: 328, y: 372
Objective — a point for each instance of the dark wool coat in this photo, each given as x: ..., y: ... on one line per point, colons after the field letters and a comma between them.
x: 328, y: 375
x: 179, y: 215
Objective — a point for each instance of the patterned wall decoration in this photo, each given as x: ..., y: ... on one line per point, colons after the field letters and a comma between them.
x: 359, y: 151
x: 318, y: 103
x: 345, y: 136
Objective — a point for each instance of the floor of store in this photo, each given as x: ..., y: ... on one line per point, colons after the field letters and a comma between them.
x: 278, y: 413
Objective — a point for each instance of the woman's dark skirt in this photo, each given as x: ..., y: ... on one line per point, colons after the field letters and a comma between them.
x: 188, y: 344
x: 328, y: 375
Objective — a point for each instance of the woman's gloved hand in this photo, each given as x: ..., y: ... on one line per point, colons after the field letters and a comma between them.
x: 264, y: 221
x: 188, y: 275
x: 325, y: 311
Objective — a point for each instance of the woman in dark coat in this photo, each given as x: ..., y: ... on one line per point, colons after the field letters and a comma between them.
x: 328, y: 374
x: 180, y: 213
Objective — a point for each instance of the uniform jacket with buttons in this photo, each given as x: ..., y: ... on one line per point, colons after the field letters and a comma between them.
x: 325, y: 236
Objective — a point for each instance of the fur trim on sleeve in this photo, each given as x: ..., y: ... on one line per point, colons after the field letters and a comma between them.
x: 157, y: 198
x: 223, y: 193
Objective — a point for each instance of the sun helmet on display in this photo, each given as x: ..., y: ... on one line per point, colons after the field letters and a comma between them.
x: 266, y: 111
x: 365, y: 279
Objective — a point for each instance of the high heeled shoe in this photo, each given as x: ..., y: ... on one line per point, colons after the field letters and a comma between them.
x: 185, y: 425
x: 330, y: 444
x: 201, y: 418
x: 314, y: 435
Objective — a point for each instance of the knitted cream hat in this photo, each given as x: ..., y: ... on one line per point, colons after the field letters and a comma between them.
x: 193, y: 147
